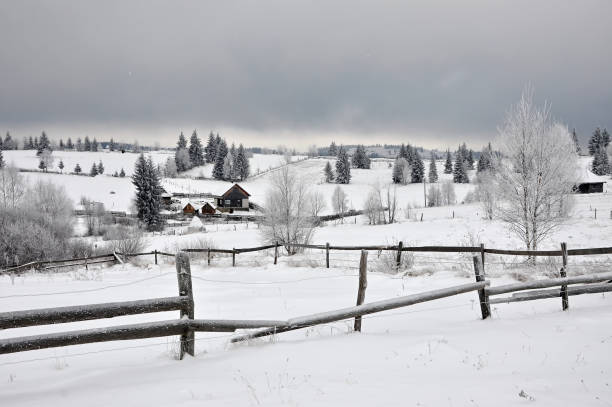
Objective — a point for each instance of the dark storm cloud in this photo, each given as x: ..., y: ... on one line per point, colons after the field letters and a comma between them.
x: 438, y: 71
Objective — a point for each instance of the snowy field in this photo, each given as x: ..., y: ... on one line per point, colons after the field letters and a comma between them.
x: 432, y: 354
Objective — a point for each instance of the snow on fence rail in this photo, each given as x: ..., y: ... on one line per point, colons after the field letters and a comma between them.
x: 328, y: 248
x: 187, y: 325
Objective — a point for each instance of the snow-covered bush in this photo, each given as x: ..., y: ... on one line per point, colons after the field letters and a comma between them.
x: 124, y: 239
x: 386, y: 262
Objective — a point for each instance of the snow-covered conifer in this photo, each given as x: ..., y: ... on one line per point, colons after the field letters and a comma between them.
x: 219, y: 160
x: 343, y: 167
x: 148, y: 193
x: 196, y: 153
x: 328, y: 172
x: 433, y: 171
x: 448, y: 164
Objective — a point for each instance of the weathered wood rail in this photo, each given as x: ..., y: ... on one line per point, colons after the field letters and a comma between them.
x: 187, y: 325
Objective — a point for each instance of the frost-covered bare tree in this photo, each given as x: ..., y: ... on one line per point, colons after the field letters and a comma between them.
x: 373, y: 206
x: 448, y: 193
x: 288, y: 218
x: 390, y: 202
x: 317, y: 203
x: 486, y: 192
x: 536, y: 171
x: 12, y: 187
x: 339, y: 201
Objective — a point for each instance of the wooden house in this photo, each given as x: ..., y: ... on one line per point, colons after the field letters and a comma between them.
x: 207, y: 209
x: 587, y: 182
x: 234, y: 199
x: 190, y: 209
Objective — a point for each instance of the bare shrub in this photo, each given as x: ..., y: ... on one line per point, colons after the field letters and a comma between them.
x: 386, y: 262
x: 124, y: 240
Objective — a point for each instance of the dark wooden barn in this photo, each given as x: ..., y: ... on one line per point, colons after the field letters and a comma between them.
x: 234, y: 199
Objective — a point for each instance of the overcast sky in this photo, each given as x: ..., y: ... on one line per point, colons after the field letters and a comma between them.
x: 434, y: 73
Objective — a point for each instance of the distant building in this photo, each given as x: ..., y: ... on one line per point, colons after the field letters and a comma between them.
x: 234, y: 199
x: 587, y: 182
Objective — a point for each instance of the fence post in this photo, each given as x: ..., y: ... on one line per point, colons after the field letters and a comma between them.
x: 183, y: 274
x: 485, y: 307
x: 327, y: 254
x: 595, y: 213
x: 208, y: 256
x: 482, y: 257
x: 276, y: 253
x: 398, y: 260
x: 233, y: 257
x: 156, y: 256
x: 564, y: 297
x: 363, y: 284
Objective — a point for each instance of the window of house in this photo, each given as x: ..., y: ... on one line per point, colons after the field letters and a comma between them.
x: 228, y: 202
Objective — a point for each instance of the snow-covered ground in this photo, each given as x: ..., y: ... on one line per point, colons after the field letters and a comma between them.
x: 432, y: 354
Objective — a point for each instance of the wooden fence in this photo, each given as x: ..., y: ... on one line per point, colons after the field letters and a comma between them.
x: 400, y: 248
x: 187, y: 325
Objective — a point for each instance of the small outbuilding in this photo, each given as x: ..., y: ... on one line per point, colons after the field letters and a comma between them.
x: 234, y: 199
x: 587, y: 182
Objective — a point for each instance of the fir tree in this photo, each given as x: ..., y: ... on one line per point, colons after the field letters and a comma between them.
x: 459, y: 170
x: 69, y: 144
x: 42, y: 166
x: 470, y: 159
x: 182, y: 141
x: 61, y: 166
x: 333, y: 150
x: 402, y: 152
x: 242, y: 162
x: 360, y: 159
x: 43, y: 144
x: 418, y: 168
x: 30, y: 143
x: 328, y: 172
x: 196, y: 154
x: 148, y: 193
x: 121, y: 173
x: 599, y: 138
x: 211, y: 148
x: 601, y: 165
x: 111, y: 145
x: 485, y: 163
x: 8, y: 142
x: 219, y: 160
x: 1, y: 159
x: 100, y: 168
x: 94, y: 170
x: 576, y: 143
x: 2, y: 144
x: 79, y: 144
x: 433, y: 171
x: 61, y: 144
x: 77, y: 169
x: 87, y: 144
x: 94, y: 145
x: 343, y: 167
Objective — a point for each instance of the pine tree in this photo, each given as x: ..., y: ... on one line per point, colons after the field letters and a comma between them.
x: 485, y: 163
x: 418, y: 168
x: 196, y: 154
x: 210, y: 149
x: 77, y: 168
x: 470, y: 159
x: 69, y: 144
x: 94, y: 170
x: 1, y: 159
x: 343, y: 167
x: 43, y: 144
x: 100, y: 168
x: 242, y: 163
x: 148, y: 193
x: 576, y: 143
x: 2, y: 144
x: 61, y: 166
x: 111, y: 145
x: 42, y: 166
x: 219, y: 160
x: 87, y: 144
x: 601, y: 165
x: 182, y: 141
x: 121, y: 173
x: 79, y: 144
x: 433, y: 171
x: 360, y: 159
x: 8, y: 142
x: 460, y: 170
x: 328, y: 172
x: 333, y: 150
x: 94, y: 145
x: 61, y: 144
x: 402, y: 152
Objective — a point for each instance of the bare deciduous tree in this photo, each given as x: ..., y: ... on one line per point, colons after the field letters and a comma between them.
x: 12, y: 187
x: 339, y: 201
x: 535, y: 170
x: 288, y: 218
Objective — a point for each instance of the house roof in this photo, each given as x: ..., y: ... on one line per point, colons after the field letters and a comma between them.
x: 584, y: 174
x: 233, y: 187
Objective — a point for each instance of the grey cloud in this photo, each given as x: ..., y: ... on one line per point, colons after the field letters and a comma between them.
x: 377, y: 70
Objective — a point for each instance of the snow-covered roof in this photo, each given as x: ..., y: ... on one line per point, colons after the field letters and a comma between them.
x: 584, y: 174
